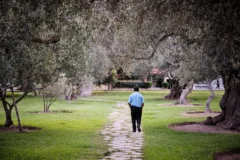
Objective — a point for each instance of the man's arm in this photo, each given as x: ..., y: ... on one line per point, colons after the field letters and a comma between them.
x: 142, y: 105
x: 142, y: 102
x: 129, y: 101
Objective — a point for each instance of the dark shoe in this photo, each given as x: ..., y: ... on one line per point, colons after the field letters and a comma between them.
x: 134, y: 128
x: 139, y: 129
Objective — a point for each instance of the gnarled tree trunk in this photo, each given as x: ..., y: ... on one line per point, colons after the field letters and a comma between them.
x: 16, y: 110
x: 185, y: 92
x: 8, y: 114
x: 175, y: 91
x: 230, y: 104
x: 8, y: 107
x: 210, y: 98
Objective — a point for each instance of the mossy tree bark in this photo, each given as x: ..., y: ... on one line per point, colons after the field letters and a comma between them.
x: 8, y: 115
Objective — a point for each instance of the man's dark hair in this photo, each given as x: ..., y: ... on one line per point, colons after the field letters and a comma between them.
x: 136, y: 89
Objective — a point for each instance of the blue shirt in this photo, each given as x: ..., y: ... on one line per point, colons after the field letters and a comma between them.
x: 136, y: 99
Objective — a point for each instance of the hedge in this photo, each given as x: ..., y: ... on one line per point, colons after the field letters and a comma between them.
x: 132, y: 84
x: 165, y: 84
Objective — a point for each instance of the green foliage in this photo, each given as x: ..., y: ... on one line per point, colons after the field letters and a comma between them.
x: 113, y: 75
x: 132, y: 84
x: 165, y: 84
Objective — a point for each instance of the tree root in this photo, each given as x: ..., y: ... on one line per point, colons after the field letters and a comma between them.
x: 209, y: 121
x: 214, y: 120
x: 208, y: 111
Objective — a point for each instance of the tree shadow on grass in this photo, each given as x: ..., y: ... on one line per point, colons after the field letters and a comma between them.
x: 200, y: 127
x: 52, y: 111
x: 16, y: 129
x: 195, y: 113
x: 179, y: 105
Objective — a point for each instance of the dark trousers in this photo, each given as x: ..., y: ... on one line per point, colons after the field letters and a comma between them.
x: 136, y: 114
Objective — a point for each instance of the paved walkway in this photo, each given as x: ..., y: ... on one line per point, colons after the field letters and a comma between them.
x: 123, y: 143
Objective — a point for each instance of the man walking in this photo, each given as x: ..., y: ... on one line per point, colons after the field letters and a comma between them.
x: 136, y: 103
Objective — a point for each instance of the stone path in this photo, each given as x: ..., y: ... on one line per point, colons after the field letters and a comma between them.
x: 123, y: 143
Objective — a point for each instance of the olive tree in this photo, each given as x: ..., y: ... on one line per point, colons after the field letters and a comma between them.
x: 222, y: 45
x: 31, y: 50
x: 214, y: 27
x: 20, y: 67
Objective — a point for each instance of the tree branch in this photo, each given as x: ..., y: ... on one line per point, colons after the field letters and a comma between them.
x: 21, y: 97
x: 155, y: 48
x: 172, y: 63
x: 3, y: 98
x: 52, y: 101
x: 51, y: 40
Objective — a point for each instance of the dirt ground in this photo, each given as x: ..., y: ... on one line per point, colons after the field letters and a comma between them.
x: 227, y: 155
x: 200, y: 127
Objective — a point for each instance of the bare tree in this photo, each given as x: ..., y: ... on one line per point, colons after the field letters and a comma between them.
x: 51, y: 93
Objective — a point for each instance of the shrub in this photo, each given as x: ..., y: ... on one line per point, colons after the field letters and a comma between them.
x: 132, y: 84
x: 165, y: 84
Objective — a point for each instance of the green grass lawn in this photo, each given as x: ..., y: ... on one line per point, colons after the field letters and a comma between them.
x: 65, y: 136
x: 162, y: 143
x: 76, y: 135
